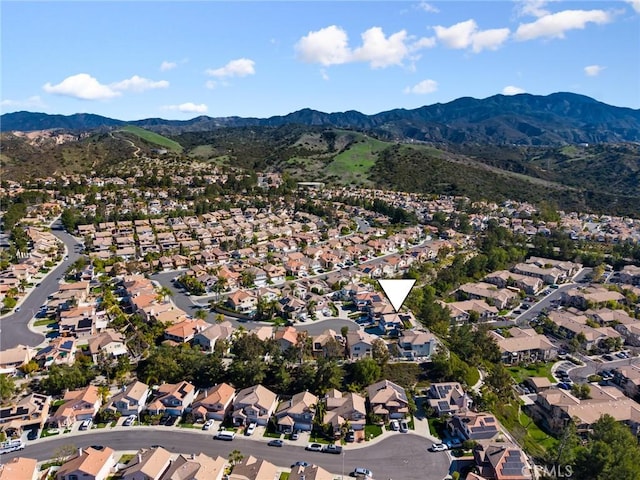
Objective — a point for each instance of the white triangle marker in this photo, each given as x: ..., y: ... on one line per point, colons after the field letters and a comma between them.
x: 397, y: 290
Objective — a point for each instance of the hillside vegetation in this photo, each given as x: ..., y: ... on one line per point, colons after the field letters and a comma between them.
x: 152, y: 138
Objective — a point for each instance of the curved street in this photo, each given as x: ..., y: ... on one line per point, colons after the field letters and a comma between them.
x: 14, y: 328
x: 400, y: 455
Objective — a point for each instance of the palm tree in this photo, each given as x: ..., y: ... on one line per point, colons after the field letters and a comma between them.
x: 235, y: 457
x: 165, y: 293
x: 104, y: 392
x: 202, y: 314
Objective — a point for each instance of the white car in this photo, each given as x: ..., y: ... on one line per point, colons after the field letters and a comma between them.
x: 439, y: 447
x: 129, y: 420
x: 207, y: 425
x: 250, y: 429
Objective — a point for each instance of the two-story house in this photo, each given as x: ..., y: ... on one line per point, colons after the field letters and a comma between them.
x: 131, y: 400
x: 414, y: 344
x: 388, y: 400
x: 88, y: 464
x: 345, y: 409
x: 448, y: 398
x: 78, y: 405
x: 215, y: 402
x: 172, y: 398
x: 297, y: 413
x: 254, y: 404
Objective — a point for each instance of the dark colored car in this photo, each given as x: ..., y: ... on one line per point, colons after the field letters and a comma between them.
x: 300, y: 464
x: 350, y: 437
x: 32, y: 435
x: 171, y: 421
x: 164, y: 419
x: 336, y: 449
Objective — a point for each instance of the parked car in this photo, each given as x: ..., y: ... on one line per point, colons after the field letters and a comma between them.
x: 295, y: 435
x: 314, y: 447
x: 86, y: 424
x: 608, y: 357
x: 363, y: 473
x: 275, y: 443
x: 207, y: 425
x: 350, y: 437
x: 564, y: 386
x: 404, y: 426
x: 453, y: 443
x: 250, y: 429
x: 300, y: 464
x: 129, y: 420
x: 227, y: 435
x: 394, y: 425
x: 438, y: 447
x: 171, y: 421
x: 337, y: 449
x: 33, y: 434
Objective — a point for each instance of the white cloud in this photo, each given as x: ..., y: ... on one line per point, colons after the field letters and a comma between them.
x: 556, y: 24
x: 381, y: 51
x: 593, y: 70
x: 139, y: 84
x: 324, y: 74
x: 330, y: 46
x: 512, y: 90
x: 164, y: 66
x: 187, y: 107
x: 489, y: 39
x: 82, y: 86
x: 427, y: 7
x: 635, y: 4
x: 423, y: 87
x: 32, y: 102
x: 211, y: 84
x: 327, y: 46
x: 533, y: 8
x: 240, y: 67
x: 466, y: 34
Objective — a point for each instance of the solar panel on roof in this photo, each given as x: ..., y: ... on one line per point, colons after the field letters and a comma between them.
x: 443, y: 405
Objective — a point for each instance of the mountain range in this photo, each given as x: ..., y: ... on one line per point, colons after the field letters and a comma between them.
x: 524, y: 119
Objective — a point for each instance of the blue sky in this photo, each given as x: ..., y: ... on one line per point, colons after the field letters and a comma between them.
x: 140, y: 59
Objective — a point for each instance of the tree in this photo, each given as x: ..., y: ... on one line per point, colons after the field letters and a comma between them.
x: 104, y: 392
x: 328, y: 376
x: 380, y: 352
x: 365, y: 371
x: 63, y: 452
x: 343, y: 331
x: 612, y: 452
x: 235, y: 457
x: 202, y: 314
x: 582, y: 391
x: 7, y: 388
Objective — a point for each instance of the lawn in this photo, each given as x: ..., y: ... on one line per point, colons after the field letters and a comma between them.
x: 357, y: 160
x: 519, y: 374
x: 523, y: 429
x: 372, y: 431
x: 284, y: 475
x: 436, y: 426
x: 45, y: 321
x: 472, y: 376
x: 153, y: 137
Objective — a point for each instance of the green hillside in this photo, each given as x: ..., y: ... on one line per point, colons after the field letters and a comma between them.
x: 153, y: 137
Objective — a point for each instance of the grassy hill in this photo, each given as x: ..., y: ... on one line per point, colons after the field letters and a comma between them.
x: 153, y: 138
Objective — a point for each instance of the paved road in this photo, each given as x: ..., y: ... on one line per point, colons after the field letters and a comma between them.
x: 188, y: 304
x: 398, y: 456
x: 13, y: 328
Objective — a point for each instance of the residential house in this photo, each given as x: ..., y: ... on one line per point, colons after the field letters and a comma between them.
x: 78, y: 405
x: 147, y: 464
x: 474, y: 426
x: 88, y: 464
x: 208, y: 337
x: 461, y: 311
x: 556, y: 407
x: 243, y: 302
x: 131, y: 400
x: 310, y: 472
x: 328, y: 345
x: 448, y: 398
x: 14, y: 358
x: 297, y: 413
x: 500, y: 298
x: 628, y: 378
x: 388, y: 400
x: 286, y: 337
x: 172, y: 398
x: 107, y: 344
x: 196, y: 467
x: 19, y: 468
x: 415, y: 344
x: 360, y: 344
x: 525, y: 345
x: 502, y: 462
x: 29, y: 411
x: 504, y: 278
x: 215, y: 402
x: 251, y: 468
x: 185, y: 331
x: 345, y: 409
x: 254, y: 404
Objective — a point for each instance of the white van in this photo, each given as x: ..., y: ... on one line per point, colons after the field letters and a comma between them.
x: 11, y: 446
x: 227, y: 435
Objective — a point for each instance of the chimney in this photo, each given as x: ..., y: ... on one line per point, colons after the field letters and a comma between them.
x: 80, y: 451
x: 139, y: 457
